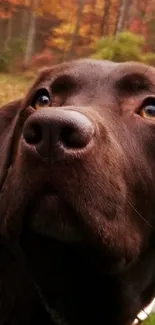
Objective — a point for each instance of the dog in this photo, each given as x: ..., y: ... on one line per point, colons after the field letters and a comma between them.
x: 77, y: 188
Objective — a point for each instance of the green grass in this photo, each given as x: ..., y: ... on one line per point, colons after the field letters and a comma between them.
x: 150, y: 320
x: 13, y: 87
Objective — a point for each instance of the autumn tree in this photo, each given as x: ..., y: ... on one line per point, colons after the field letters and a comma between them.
x: 122, y: 14
x: 105, y: 18
x: 32, y: 31
x: 30, y: 28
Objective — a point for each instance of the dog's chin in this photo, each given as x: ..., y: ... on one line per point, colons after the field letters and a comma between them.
x: 53, y: 223
x: 52, y: 217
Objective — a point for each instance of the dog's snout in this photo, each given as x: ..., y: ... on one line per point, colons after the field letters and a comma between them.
x: 62, y: 130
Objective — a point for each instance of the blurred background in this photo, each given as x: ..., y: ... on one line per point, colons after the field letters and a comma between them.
x: 38, y: 33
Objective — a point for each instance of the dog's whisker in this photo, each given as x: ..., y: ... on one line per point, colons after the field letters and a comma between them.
x: 148, y: 223
x: 131, y: 205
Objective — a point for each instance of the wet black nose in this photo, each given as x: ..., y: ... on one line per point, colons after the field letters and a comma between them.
x: 58, y: 130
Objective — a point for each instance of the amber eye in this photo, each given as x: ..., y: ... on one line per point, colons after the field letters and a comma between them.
x: 148, y: 109
x: 42, y: 101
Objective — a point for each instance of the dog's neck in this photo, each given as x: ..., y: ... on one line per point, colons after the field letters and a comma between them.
x: 135, y: 284
x: 59, y: 320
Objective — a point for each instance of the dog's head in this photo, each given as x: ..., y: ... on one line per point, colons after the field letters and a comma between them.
x: 77, y: 160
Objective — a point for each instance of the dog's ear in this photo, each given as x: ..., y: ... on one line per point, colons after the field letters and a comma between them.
x: 8, y: 121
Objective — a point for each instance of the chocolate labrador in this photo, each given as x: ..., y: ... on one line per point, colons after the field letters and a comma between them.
x: 77, y: 197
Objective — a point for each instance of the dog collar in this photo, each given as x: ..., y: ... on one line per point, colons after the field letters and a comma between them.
x: 144, y: 313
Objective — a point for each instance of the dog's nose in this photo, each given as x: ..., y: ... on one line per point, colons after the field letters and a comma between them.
x: 62, y: 131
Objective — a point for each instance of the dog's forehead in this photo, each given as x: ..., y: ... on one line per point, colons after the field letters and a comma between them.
x: 79, y: 69
x: 100, y: 76
x: 88, y: 68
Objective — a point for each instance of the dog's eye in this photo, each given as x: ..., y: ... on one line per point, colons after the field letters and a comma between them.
x: 42, y: 101
x: 148, y: 109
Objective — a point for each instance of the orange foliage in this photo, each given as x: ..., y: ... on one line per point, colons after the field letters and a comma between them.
x: 45, y: 58
x: 92, y: 19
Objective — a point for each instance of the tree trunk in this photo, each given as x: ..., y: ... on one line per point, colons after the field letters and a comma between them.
x: 31, y: 33
x: 91, y: 20
x: 105, y: 20
x: 25, y: 17
x: 122, y: 11
x: 77, y: 28
x: 128, y: 18
x: 8, y: 33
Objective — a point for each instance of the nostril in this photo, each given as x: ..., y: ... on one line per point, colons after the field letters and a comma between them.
x: 74, y: 137
x: 70, y: 138
x: 33, y: 134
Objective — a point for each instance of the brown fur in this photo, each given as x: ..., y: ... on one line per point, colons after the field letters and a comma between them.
x: 77, y: 231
